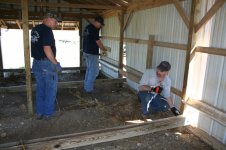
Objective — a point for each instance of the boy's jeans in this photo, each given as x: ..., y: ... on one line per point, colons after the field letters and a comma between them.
x: 92, y: 71
x: 46, y: 79
x: 152, y: 101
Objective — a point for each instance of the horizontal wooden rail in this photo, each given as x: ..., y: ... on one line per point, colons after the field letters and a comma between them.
x: 211, y: 50
x: 156, y: 43
x: 23, y: 70
x: 211, y: 111
x: 99, y: 136
x: 69, y: 84
x: 207, y: 138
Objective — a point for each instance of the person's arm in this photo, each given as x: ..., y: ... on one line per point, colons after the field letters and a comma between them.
x: 144, y: 88
x: 100, y: 45
x: 49, y: 54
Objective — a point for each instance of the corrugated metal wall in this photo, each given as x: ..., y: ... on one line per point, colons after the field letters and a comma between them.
x: 111, y: 29
x: 209, y: 71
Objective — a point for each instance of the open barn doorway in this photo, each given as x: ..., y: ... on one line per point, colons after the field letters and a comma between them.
x: 67, y: 44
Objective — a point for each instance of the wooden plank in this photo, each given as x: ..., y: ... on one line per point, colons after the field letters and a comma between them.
x: 171, y: 45
x: 62, y: 5
x: 69, y: 84
x: 191, y: 34
x: 176, y: 91
x: 211, y: 111
x: 128, y: 20
x: 76, y: 140
x: 24, y: 7
x: 156, y: 43
x: 150, y: 51
x: 213, y: 142
x: 108, y: 65
x: 212, y: 11
x: 181, y: 12
x: 141, y: 5
x: 18, y: 23
x: 120, y: 62
x: 211, y: 50
x: 110, y: 61
x: 63, y: 69
x: 1, y: 60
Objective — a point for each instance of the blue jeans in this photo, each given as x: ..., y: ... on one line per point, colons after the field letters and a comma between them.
x: 92, y: 71
x: 46, y: 79
x: 152, y: 102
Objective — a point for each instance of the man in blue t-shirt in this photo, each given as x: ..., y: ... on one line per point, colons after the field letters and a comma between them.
x: 91, y: 45
x: 45, y: 66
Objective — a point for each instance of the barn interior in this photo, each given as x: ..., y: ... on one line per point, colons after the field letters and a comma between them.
x: 139, y: 34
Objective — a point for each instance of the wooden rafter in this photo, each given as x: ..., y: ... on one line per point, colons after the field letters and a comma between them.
x: 128, y: 20
x: 62, y: 25
x: 18, y: 23
x: 140, y: 5
x: 181, y: 12
x: 216, y: 6
x: 62, y: 5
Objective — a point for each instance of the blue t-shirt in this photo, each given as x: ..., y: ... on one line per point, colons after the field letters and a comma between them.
x: 41, y: 35
x: 91, y: 35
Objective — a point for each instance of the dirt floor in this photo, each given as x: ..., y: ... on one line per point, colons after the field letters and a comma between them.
x: 110, y: 106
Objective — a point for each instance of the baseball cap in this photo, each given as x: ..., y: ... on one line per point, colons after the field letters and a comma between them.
x: 164, y: 66
x: 51, y: 14
x: 100, y: 20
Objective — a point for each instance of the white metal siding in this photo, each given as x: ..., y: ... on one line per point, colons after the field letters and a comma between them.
x: 111, y: 29
x: 209, y: 71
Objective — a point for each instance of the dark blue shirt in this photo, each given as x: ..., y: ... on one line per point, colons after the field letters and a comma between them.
x: 91, y: 35
x: 41, y: 35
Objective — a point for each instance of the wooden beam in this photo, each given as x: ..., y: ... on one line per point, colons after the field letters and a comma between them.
x: 128, y: 20
x: 62, y: 25
x: 24, y: 7
x: 33, y: 23
x: 181, y: 12
x: 18, y: 23
x: 62, y: 5
x: 156, y: 43
x: 211, y: 50
x: 171, y: 45
x: 121, y: 40
x: 76, y: 140
x: 150, y: 51
x: 1, y: 60
x: 212, y: 11
x: 109, y: 60
x: 212, y: 112
x: 213, y: 142
x: 191, y: 34
x: 69, y: 84
x: 147, y: 4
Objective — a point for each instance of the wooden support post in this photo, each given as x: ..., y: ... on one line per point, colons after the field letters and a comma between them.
x: 1, y: 60
x: 150, y: 51
x: 128, y: 20
x: 121, y: 40
x: 24, y: 5
x: 189, y: 48
x: 80, y: 42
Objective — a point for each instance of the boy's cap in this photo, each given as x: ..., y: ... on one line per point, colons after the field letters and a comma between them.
x: 164, y: 66
x: 52, y: 14
x: 100, y: 20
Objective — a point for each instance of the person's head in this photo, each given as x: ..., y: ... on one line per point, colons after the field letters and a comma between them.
x: 98, y: 22
x: 50, y: 19
x: 163, y: 69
